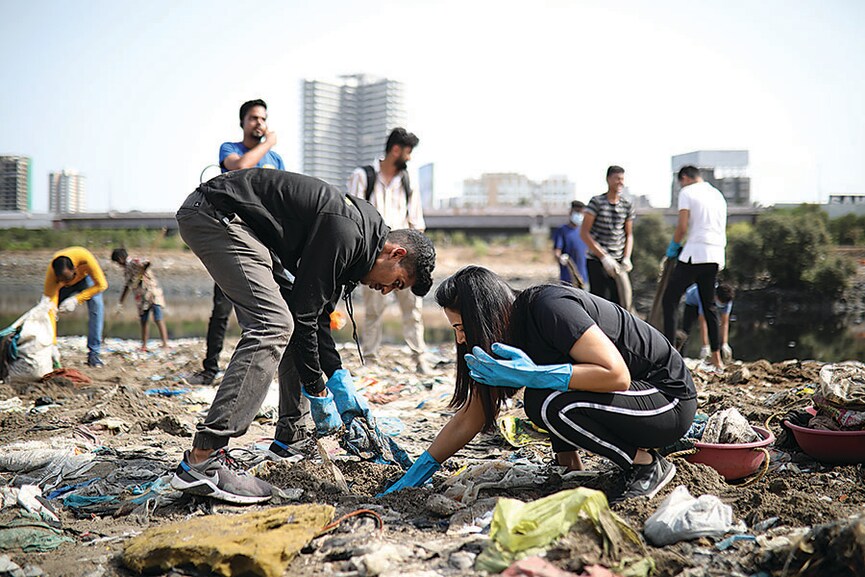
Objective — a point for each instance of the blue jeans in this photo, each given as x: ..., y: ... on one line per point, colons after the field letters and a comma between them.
x: 95, y: 319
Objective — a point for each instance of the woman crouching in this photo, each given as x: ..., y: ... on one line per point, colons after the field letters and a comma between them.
x: 596, y: 377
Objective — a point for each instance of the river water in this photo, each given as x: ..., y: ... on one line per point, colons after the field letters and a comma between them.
x: 763, y: 325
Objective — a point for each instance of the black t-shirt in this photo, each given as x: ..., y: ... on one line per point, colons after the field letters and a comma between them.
x: 557, y: 316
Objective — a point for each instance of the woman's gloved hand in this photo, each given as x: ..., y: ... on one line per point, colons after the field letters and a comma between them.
x: 418, y: 474
x: 516, y: 369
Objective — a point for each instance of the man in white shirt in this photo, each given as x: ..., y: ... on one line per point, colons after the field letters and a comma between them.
x: 703, y: 219
x: 385, y: 184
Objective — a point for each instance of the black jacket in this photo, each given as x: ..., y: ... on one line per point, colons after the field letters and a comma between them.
x: 325, y: 238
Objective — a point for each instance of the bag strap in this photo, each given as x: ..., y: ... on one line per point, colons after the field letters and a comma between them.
x: 406, y: 185
x: 370, y: 181
x: 371, y: 178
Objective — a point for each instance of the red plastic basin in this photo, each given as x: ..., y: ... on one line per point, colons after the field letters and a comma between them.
x: 734, y: 461
x: 835, y: 447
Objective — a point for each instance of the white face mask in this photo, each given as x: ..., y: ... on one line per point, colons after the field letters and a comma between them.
x: 577, y: 218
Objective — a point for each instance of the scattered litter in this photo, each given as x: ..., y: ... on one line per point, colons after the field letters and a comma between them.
x: 681, y: 517
x: 725, y: 544
x: 73, y: 376
x: 523, y: 529
x: 12, y: 405
x: 468, y: 483
x: 29, y: 533
x: 836, y: 548
x: 521, y: 432
x: 475, y: 518
x: 729, y: 427
x: 390, y: 426
x: 166, y: 392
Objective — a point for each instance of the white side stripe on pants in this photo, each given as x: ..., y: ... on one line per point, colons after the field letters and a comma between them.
x: 588, y: 434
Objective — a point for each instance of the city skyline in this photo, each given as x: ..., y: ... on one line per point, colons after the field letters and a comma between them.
x: 139, y: 97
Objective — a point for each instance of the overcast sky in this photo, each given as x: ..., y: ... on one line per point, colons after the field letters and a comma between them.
x: 139, y: 96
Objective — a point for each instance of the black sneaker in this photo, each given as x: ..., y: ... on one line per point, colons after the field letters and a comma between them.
x: 214, y: 478
x: 647, y: 480
x: 201, y: 378
x: 279, y: 450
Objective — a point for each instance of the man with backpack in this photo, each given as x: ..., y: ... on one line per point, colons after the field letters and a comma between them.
x: 385, y: 184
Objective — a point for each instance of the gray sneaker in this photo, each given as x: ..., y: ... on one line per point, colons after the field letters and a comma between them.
x: 647, y: 480
x: 214, y: 478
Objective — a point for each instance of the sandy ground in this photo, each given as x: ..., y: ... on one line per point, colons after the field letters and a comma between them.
x: 796, y: 492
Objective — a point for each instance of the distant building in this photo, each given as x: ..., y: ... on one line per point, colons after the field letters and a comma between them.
x: 16, y: 184
x: 346, y: 124
x: 726, y: 170
x: 513, y: 189
x: 426, y: 185
x: 66, y: 192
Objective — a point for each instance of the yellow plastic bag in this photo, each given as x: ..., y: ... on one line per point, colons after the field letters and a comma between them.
x: 522, y: 432
x: 520, y: 529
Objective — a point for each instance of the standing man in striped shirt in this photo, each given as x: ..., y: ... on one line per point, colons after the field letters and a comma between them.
x: 608, y: 231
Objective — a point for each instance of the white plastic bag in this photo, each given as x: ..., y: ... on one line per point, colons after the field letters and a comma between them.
x: 34, y: 343
x: 681, y: 517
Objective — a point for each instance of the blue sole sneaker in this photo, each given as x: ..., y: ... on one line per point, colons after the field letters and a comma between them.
x: 214, y: 478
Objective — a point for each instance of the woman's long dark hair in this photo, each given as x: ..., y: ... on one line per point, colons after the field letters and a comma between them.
x: 484, y: 301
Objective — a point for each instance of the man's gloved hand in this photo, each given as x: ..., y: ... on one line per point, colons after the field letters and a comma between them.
x: 726, y: 353
x: 324, y: 413
x: 564, y: 258
x: 705, y: 351
x: 626, y: 264
x: 68, y: 305
x: 516, y: 370
x: 419, y: 473
x: 348, y: 402
x: 674, y: 249
x: 610, y: 265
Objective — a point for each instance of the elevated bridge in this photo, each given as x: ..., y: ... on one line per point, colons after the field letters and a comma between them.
x: 470, y: 221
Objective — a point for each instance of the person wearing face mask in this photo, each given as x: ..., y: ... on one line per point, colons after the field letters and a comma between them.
x: 568, y: 246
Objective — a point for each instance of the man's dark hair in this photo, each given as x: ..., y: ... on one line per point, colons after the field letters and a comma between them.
x: 61, y: 264
x: 689, y: 171
x: 577, y: 205
x: 615, y: 170
x: 484, y: 302
x: 420, y: 258
x: 725, y: 292
x: 400, y: 137
x: 244, y: 108
x: 119, y: 255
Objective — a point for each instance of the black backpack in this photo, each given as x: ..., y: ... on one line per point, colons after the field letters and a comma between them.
x: 370, y: 183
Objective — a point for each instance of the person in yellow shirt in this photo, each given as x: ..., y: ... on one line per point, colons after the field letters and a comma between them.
x: 75, y: 277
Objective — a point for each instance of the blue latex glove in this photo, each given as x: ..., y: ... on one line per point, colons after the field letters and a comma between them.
x: 324, y: 413
x: 348, y: 402
x: 516, y: 370
x: 419, y: 473
x: 674, y: 249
